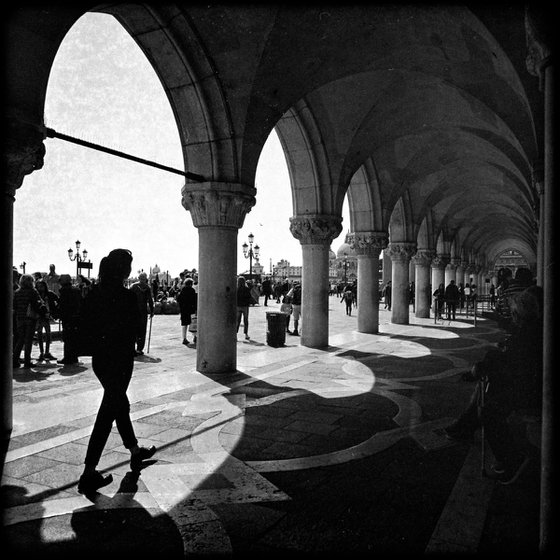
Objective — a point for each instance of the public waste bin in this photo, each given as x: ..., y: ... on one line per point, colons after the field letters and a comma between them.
x: 276, y: 328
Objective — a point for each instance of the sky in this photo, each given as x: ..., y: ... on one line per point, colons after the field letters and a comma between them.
x: 102, y: 89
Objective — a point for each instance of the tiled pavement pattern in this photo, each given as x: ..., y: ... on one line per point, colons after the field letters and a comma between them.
x: 299, y: 451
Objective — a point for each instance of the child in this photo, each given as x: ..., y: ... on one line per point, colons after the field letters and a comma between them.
x: 286, y: 307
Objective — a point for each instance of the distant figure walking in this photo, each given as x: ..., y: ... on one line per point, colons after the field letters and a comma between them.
x: 145, y: 300
x: 111, y: 316
x: 387, y: 295
x: 244, y: 300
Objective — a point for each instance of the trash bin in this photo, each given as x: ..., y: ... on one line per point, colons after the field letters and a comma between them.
x: 276, y: 328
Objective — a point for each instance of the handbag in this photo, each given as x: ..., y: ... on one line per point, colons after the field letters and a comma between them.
x: 31, y: 313
x: 193, y: 325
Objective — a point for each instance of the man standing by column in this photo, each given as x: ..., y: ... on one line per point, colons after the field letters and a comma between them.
x: 69, y: 306
x: 145, y: 305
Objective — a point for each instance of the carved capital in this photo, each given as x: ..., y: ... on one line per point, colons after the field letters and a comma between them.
x: 440, y: 261
x: 423, y: 257
x: 24, y: 152
x: 368, y: 243
x: 316, y: 229
x: 401, y: 252
x: 218, y: 204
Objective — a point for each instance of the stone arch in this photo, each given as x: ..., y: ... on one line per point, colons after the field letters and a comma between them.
x: 312, y: 191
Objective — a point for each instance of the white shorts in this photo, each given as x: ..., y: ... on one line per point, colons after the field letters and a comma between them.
x: 296, y: 311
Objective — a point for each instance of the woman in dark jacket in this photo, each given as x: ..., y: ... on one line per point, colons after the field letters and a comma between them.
x: 50, y: 300
x: 187, y: 300
x: 110, y: 317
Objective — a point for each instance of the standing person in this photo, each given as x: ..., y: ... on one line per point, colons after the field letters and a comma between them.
x: 52, y: 279
x: 439, y: 301
x: 69, y: 305
x: 295, y: 295
x: 27, y: 307
x: 111, y: 316
x: 451, y: 296
x: 244, y: 300
x: 473, y: 297
x: 387, y: 295
x: 155, y: 286
x: 492, y: 296
x: 145, y: 306
x: 266, y: 290
x: 50, y: 301
x: 461, y: 296
x: 467, y: 294
x: 347, y: 298
x: 187, y: 300
x: 286, y: 307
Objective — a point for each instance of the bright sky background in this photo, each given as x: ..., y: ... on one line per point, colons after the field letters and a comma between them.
x: 103, y: 90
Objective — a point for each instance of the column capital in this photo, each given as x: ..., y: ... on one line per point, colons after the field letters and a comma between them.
x: 316, y: 229
x: 456, y: 261
x: 218, y: 204
x: 368, y: 243
x: 440, y: 261
x: 401, y: 251
x: 24, y: 153
x: 424, y: 257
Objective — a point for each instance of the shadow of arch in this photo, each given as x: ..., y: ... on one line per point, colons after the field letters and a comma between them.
x: 273, y: 460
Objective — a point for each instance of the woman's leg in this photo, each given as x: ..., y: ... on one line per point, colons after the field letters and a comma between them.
x: 30, y: 327
x: 114, y: 407
x: 40, y: 339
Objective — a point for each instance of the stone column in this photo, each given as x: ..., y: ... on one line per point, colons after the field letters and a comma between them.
x: 24, y: 153
x: 459, y: 273
x: 315, y: 233
x: 218, y: 211
x: 439, y: 262
x: 367, y: 246
x: 423, y: 292
x: 387, y: 267
x: 465, y: 265
x: 400, y: 254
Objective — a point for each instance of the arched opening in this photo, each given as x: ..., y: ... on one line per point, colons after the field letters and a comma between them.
x: 102, y: 89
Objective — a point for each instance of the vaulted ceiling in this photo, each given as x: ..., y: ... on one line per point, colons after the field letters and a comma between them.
x: 434, y: 101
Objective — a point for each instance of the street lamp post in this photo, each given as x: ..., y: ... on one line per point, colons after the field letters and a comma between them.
x: 249, y: 252
x: 345, y: 268
x: 80, y: 259
x: 22, y: 266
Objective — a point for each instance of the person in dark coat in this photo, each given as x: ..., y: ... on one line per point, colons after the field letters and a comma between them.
x: 145, y: 307
x: 187, y: 300
x: 266, y: 290
x: 451, y: 297
x: 110, y: 318
x: 69, y: 305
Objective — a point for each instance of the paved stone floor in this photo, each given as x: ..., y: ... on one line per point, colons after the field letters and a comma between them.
x: 300, y: 451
